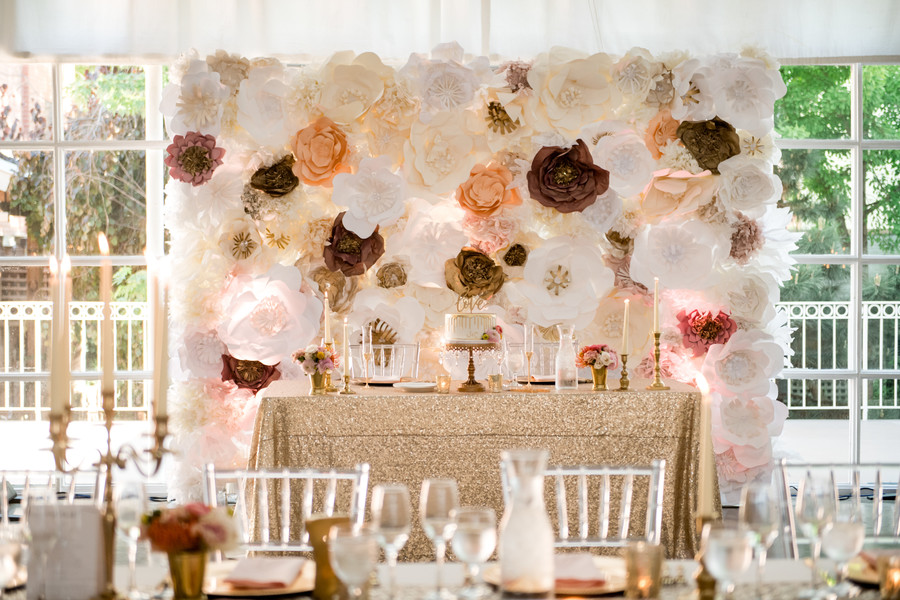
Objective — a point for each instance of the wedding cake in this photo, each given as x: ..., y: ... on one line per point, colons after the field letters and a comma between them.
x: 467, y: 328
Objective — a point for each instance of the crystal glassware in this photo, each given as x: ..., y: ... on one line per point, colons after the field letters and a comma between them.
x: 391, y: 519
x: 843, y: 540
x: 131, y: 504
x: 515, y: 360
x: 760, y: 513
x: 473, y: 543
x: 814, y: 513
x: 727, y: 553
x: 41, y: 516
x: 12, y: 544
x: 353, y: 553
x: 437, y: 508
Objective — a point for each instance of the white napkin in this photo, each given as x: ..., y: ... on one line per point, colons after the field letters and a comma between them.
x: 265, y: 572
x: 578, y: 568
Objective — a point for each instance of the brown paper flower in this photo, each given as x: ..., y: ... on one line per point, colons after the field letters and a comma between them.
x: 321, y: 150
x: 473, y: 274
x: 341, y: 289
x: 516, y: 255
x: 566, y: 179
x: 276, y: 180
x: 250, y: 374
x: 709, y: 142
x: 391, y: 275
x: 350, y: 254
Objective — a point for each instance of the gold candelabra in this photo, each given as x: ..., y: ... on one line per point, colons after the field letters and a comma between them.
x: 657, y: 384
x: 623, y: 380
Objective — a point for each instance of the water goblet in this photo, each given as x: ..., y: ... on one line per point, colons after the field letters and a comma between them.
x: 12, y: 543
x: 514, y: 362
x: 473, y: 542
x: 131, y: 504
x: 437, y: 507
x: 814, y: 513
x: 842, y: 540
x: 391, y: 519
x: 760, y: 514
x: 353, y: 553
x: 727, y: 553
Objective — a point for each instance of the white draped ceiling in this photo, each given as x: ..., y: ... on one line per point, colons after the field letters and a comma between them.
x: 312, y: 29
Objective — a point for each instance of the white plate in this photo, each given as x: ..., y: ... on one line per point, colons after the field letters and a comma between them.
x: 217, y: 572
x: 615, y: 578
x: 416, y: 386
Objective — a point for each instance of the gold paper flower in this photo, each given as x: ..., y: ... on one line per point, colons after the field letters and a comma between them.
x: 710, y: 142
x: 473, y: 274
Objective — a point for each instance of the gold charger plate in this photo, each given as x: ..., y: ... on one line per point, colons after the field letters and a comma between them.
x: 215, y: 585
x: 615, y: 578
x: 377, y: 381
x: 859, y: 571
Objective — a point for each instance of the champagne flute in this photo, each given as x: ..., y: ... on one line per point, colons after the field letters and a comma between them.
x: 514, y: 362
x: 760, y: 514
x: 473, y: 542
x: 131, y: 504
x: 391, y: 519
x: 814, y: 514
x: 727, y: 553
x: 42, y: 521
x: 437, y: 507
x: 353, y: 553
x: 843, y: 540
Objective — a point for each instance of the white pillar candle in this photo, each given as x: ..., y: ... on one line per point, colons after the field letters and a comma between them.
x: 529, y: 338
x: 162, y: 353
x: 56, y: 403
x: 707, y: 469
x: 153, y: 330
x: 656, y: 305
x: 345, y: 348
x: 63, y: 370
x: 107, y: 356
x: 327, y: 317
x: 624, y: 349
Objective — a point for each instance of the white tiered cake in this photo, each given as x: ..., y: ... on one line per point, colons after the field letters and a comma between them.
x: 467, y: 328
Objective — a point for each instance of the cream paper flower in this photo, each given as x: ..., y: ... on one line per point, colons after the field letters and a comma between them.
x: 749, y: 298
x: 436, y: 302
x: 682, y: 255
x: 438, y: 156
x: 625, y: 156
x: 774, y: 257
x: 373, y: 196
x: 744, y: 364
x: 267, y: 316
x: 635, y: 73
x: 745, y: 91
x: 352, y: 85
x: 201, y: 353
x: 208, y: 205
x: 761, y: 148
x: 749, y: 420
x: 748, y: 185
x: 676, y: 194
x: 304, y: 91
x: 403, y: 316
x: 693, y: 98
x: 232, y: 68
x: 608, y: 325
x: 604, y: 212
x: 443, y: 82
x: 433, y: 234
x: 571, y: 90
x: 563, y: 282
x: 240, y: 240
x: 200, y: 104
x: 261, y: 106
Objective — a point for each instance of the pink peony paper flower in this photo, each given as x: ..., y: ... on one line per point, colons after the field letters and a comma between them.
x: 489, y: 234
x: 700, y: 330
x: 193, y: 157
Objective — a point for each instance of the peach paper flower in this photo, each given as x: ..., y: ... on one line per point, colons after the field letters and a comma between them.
x: 321, y: 150
x: 660, y: 132
x: 486, y: 191
x: 676, y: 192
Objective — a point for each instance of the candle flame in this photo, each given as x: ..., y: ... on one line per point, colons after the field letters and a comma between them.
x: 54, y: 267
x: 65, y: 266
x: 702, y: 384
x: 103, y: 243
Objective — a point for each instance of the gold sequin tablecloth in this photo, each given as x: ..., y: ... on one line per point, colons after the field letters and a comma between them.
x: 410, y: 437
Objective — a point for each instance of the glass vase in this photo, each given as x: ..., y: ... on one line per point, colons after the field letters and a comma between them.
x: 526, y: 536
x: 566, y: 371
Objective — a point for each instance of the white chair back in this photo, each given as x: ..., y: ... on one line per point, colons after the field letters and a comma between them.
x: 272, y: 506
x: 63, y: 483
x: 388, y: 361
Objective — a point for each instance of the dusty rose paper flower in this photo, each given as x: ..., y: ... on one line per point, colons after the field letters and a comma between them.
x: 700, y: 330
x: 746, y: 239
x: 193, y: 157
x: 661, y: 130
x: 516, y: 73
x: 566, y: 178
x: 321, y: 150
x: 710, y: 142
x: 350, y: 254
x: 489, y: 234
x: 486, y: 190
x: 248, y: 374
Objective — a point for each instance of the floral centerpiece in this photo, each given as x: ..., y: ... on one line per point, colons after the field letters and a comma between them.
x: 493, y: 335
x: 599, y: 357
x: 316, y: 361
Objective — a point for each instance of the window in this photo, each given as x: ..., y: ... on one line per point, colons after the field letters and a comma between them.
x: 840, y: 143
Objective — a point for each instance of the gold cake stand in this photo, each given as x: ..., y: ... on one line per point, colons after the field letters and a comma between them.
x: 470, y: 384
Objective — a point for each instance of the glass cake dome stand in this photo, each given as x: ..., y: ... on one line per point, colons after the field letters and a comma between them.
x: 484, y: 350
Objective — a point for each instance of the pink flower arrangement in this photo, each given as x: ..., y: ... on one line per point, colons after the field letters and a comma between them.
x: 700, y: 330
x: 597, y: 355
x: 317, y: 359
x: 193, y: 527
x: 193, y: 157
x: 493, y: 335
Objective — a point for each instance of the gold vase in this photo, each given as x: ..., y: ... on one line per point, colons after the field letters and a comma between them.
x: 327, y: 583
x: 187, y: 570
x: 599, y: 377
x: 317, y: 383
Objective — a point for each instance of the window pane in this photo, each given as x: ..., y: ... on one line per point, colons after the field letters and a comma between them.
x: 106, y: 192
x: 26, y: 102
x: 103, y: 102
x: 23, y: 401
x: 818, y: 426
x: 817, y: 103
x: 881, y: 102
x: 880, y: 420
x: 26, y: 204
x: 882, y: 201
x: 881, y: 316
x: 817, y: 190
x: 25, y: 315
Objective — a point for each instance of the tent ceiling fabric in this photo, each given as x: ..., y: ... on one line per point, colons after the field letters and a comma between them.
x: 310, y: 29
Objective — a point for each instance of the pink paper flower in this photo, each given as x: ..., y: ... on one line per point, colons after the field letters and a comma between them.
x: 193, y: 157
x: 489, y: 234
x: 700, y: 330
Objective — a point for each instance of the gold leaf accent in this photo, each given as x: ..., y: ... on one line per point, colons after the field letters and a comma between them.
x: 279, y: 240
x: 557, y: 279
x: 242, y: 245
x: 499, y: 120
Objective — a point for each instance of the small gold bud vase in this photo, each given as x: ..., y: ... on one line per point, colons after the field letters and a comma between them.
x: 599, y: 376
x: 317, y: 383
x: 187, y: 570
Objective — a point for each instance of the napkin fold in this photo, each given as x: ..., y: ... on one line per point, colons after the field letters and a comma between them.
x: 256, y: 572
x: 577, y: 570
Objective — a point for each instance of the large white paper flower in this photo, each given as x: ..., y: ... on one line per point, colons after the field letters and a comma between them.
x: 207, y: 206
x: 438, y: 156
x: 373, y: 196
x: 404, y: 316
x: 774, y: 255
x: 433, y: 234
x: 261, y: 106
x: 744, y: 92
x: 748, y: 185
x: 635, y: 72
x: 626, y: 157
x: 682, y: 255
x: 352, y: 85
x: 267, y: 316
x: 749, y: 298
x: 201, y: 353
x: 563, y: 282
x: 693, y: 99
x: 749, y: 420
x: 443, y: 82
x: 744, y: 364
x: 571, y: 90
x: 200, y: 104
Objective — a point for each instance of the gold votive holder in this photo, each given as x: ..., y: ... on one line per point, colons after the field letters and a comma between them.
x: 889, y: 576
x: 443, y: 384
x: 327, y: 583
x: 643, y: 570
x: 495, y: 383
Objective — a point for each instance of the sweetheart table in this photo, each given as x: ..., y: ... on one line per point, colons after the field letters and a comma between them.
x: 408, y: 437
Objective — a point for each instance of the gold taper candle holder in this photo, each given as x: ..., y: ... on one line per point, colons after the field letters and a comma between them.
x: 706, y: 583
x: 329, y: 386
x: 346, y: 389
x: 657, y: 379
x: 367, y: 356
x: 528, y: 356
x: 623, y: 380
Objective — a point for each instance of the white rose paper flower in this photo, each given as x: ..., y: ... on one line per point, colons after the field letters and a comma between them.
x: 352, y: 86
x: 267, y: 316
x: 744, y: 92
x: 433, y: 234
x: 438, y: 156
x: 748, y: 185
x: 626, y: 157
x: 749, y: 420
x: 443, y: 82
x: 373, y: 196
x: 693, y: 99
x: 261, y: 106
x: 199, y: 106
x: 682, y: 255
x: 744, y: 364
x: 201, y: 354
x: 749, y: 298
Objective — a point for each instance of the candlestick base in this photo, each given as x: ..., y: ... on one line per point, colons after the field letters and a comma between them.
x: 623, y: 379
x: 706, y: 583
x: 329, y: 386
x: 657, y: 384
x: 346, y: 389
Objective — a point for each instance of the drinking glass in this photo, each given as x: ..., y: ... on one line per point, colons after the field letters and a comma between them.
x: 760, y: 514
x: 515, y: 360
x: 353, y: 553
x: 391, y: 519
x: 12, y: 541
x: 843, y: 540
x: 727, y: 553
x: 131, y: 504
x: 437, y: 508
x: 473, y: 542
x: 814, y: 513
x: 42, y: 522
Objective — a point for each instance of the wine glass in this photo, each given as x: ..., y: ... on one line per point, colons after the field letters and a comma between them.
x: 844, y: 539
x: 473, y: 542
x: 131, y: 504
x: 353, y: 553
x: 12, y: 542
x: 437, y: 506
x: 514, y: 362
x: 760, y: 514
x: 41, y: 516
x: 814, y: 513
x: 727, y: 553
x: 391, y: 519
